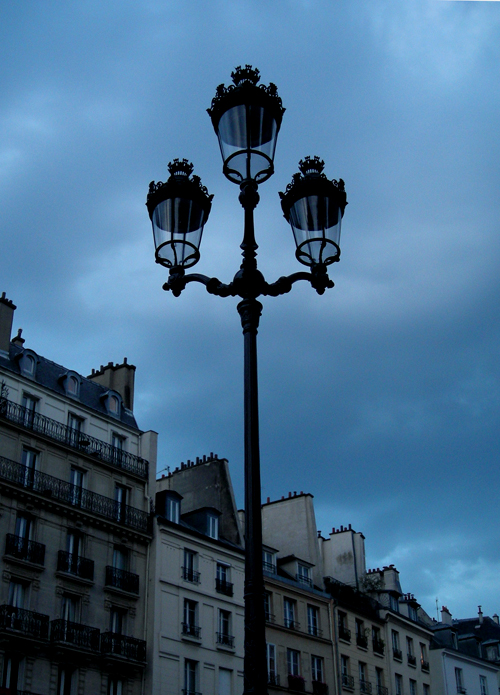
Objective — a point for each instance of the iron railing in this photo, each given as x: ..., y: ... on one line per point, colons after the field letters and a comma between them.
x: 347, y: 681
x: 190, y: 575
x: 320, y: 688
x: 303, y: 579
x: 223, y: 587
x: 62, y: 491
x: 74, y: 564
x: 362, y: 641
x: 424, y: 664
x: 269, y: 567
x: 273, y: 678
x: 28, y: 623
x: 225, y: 639
x: 344, y: 633
x: 365, y: 687
x: 378, y: 645
x: 382, y: 690
x: 270, y: 617
x: 75, y: 634
x: 191, y: 630
x: 397, y: 653
x: 24, y: 549
x: 74, y: 438
x: 130, y: 648
x: 315, y: 631
x: 291, y: 624
x: 121, y: 579
x: 296, y: 683
x: 412, y: 659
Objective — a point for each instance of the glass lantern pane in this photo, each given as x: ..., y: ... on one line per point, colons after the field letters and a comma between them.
x: 177, y: 229
x: 247, y: 138
x: 316, y: 222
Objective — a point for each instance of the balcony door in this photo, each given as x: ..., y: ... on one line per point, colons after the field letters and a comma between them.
x: 224, y: 681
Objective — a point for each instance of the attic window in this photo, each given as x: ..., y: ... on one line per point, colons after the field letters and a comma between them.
x: 113, y: 404
x: 72, y: 385
x: 28, y: 364
x: 212, y: 526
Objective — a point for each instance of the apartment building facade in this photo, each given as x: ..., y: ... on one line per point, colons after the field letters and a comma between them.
x: 76, y: 476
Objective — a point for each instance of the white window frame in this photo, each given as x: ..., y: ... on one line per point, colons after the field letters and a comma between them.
x: 293, y: 662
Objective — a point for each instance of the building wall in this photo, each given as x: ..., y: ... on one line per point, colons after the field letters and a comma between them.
x: 443, y: 665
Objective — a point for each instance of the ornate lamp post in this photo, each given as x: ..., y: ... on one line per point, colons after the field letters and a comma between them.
x: 247, y: 118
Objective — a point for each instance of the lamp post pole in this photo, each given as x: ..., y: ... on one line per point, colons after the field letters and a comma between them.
x: 247, y: 118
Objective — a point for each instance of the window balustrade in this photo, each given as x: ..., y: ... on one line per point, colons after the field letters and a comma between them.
x: 319, y: 688
x: 129, y: 648
x: 344, y: 633
x: 347, y: 681
x: 75, y: 634
x: 28, y: 623
x: 74, y: 495
x: 24, y: 549
x: 191, y: 630
x: 74, y: 564
x: 225, y: 639
x: 121, y: 579
x: 382, y: 690
x: 223, y: 587
x: 74, y: 438
x: 365, y: 687
x: 378, y: 646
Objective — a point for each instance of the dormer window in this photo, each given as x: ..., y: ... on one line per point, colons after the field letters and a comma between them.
x: 394, y: 603
x: 27, y: 363
x: 71, y: 384
x: 173, y: 509
x: 269, y: 561
x: 212, y: 526
x: 112, y: 403
x: 303, y: 574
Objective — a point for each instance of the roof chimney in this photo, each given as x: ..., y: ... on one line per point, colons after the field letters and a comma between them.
x: 480, y: 614
x: 7, y: 309
x: 446, y: 616
x: 495, y: 618
x: 118, y: 377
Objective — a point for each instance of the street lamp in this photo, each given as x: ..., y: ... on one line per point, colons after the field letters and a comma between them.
x: 247, y: 118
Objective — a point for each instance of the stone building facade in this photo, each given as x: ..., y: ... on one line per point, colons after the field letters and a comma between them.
x: 76, y: 476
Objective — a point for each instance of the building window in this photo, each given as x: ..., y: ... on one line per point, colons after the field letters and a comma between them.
x: 303, y: 574
x: 24, y: 527
x: 347, y: 679
x: 413, y: 687
x: 222, y: 576
x: 118, y: 444
x: 74, y: 548
x: 213, y: 526
x: 361, y: 638
x: 293, y: 662
x: 377, y: 642
x: 410, y: 652
x: 399, y: 684
x: 77, y: 481
x: 271, y: 664
x: 224, y: 636
x: 412, y: 612
x: 67, y: 682
x: 394, y: 603
x: 70, y: 608
x: 190, y: 677
x: 459, y: 678
x: 483, y: 685
x: 189, y: 626
x: 317, y: 668
x: 344, y: 632
x: 13, y: 672
x: 289, y: 614
x: 379, y: 678
x: 113, y: 405
x: 427, y: 689
x: 313, y: 620
x: 423, y: 657
x: 225, y: 679
x: 363, y: 683
x: 17, y: 594
x: 120, y: 558
x: 117, y: 618
x: 29, y: 460
x: 75, y: 429
x: 29, y: 405
x: 173, y: 509
x: 189, y: 572
x: 396, y: 650
x: 269, y: 561
x: 115, y: 686
x: 121, y: 498
x: 28, y: 364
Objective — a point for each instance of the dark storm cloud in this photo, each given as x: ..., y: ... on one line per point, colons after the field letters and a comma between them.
x: 381, y: 397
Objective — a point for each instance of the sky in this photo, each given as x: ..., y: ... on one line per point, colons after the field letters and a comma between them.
x: 382, y: 397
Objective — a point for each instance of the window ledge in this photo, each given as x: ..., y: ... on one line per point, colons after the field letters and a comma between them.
x: 74, y: 578
x: 23, y: 563
x: 121, y: 592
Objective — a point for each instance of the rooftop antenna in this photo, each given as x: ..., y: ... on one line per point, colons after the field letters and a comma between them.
x: 437, y: 609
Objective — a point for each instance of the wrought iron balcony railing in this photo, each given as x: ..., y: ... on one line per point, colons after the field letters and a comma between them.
x: 28, y: 623
x: 24, y: 549
x: 412, y: 659
x: 315, y: 631
x: 362, y: 641
x: 65, y: 492
x: 296, y: 683
x: 223, y: 587
x: 191, y: 630
x: 74, y: 564
x: 319, y: 688
x: 303, y: 580
x: 347, y: 681
x: 382, y: 690
x: 71, y: 437
x: 378, y: 646
x: 121, y: 579
x: 344, y: 633
x: 291, y: 624
x: 397, y: 653
x: 461, y: 689
x: 75, y: 634
x: 270, y: 617
x: 273, y: 678
x: 190, y: 575
x: 365, y: 687
x: 269, y: 567
x: 225, y: 639
x: 424, y: 664
x: 130, y: 648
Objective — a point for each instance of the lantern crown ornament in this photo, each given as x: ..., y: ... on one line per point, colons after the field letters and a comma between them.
x: 178, y: 209
x: 246, y: 117
x: 314, y: 207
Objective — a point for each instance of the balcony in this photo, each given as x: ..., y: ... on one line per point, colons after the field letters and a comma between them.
x: 424, y: 665
x: 269, y: 567
x: 26, y: 623
x: 412, y: 660
x: 73, y: 438
x: 315, y: 631
x: 190, y: 575
x: 397, y: 654
x: 23, y: 549
x: 128, y: 648
x: 75, y: 496
x: 121, y: 579
x: 302, y: 579
x: 365, y: 687
x: 296, y: 683
x: 224, y: 639
x: 382, y: 690
x: 347, y: 681
x: 74, y: 564
x: 190, y: 630
x: 344, y: 633
x: 291, y: 624
x: 270, y: 617
x: 378, y: 646
x: 74, y: 635
x: 273, y: 679
x: 319, y: 688
x: 362, y: 641
x: 223, y: 587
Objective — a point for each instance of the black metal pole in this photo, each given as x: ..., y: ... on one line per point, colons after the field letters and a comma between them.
x: 255, y: 664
